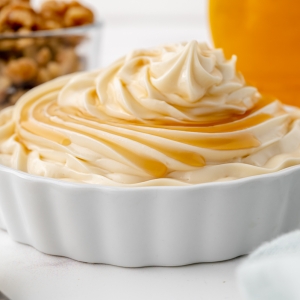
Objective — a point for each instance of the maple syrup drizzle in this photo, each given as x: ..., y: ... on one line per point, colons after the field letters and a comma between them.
x: 70, y: 117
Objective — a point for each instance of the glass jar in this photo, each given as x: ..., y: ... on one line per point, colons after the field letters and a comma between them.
x: 30, y: 59
x: 265, y: 35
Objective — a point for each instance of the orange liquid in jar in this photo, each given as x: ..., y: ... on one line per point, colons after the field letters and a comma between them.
x: 265, y: 35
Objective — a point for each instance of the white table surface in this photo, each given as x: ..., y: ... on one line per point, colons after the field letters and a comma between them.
x: 26, y: 274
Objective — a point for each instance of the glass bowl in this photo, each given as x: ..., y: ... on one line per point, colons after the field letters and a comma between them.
x: 32, y: 58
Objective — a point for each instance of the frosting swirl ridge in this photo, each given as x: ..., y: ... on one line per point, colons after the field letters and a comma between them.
x: 174, y: 115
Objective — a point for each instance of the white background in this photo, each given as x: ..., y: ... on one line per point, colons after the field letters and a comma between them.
x: 108, y: 8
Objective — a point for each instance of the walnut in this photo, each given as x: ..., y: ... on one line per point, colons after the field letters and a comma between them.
x: 77, y: 16
x: 52, y: 13
x: 21, y: 70
x: 20, y: 18
x: 73, y: 40
x: 57, y: 14
x: 17, y: 15
x: 3, y: 3
x: 68, y: 60
x: 7, y: 44
x: 51, y: 24
x: 54, y: 43
x: 24, y: 31
x: 24, y: 43
x: 43, y: 76
x: 43, y: 56
x: 74, y: 3
x: 54, y: 69
x: 30, y: 51
x: 41, y: 41
x: 53, y: 8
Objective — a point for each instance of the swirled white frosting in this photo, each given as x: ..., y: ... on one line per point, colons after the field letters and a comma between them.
x: 174, y: 115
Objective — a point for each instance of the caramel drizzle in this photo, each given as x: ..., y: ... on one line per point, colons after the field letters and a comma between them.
x: 51, y: 130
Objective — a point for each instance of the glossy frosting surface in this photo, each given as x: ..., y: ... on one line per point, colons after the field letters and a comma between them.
x: 174, y: 115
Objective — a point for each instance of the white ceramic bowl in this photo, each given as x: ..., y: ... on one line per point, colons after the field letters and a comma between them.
x: 148, y: 226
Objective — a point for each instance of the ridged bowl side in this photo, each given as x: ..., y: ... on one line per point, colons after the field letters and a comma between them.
x: 151, y: 226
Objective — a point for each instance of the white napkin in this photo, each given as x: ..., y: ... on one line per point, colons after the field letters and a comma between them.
x: 272, y: 272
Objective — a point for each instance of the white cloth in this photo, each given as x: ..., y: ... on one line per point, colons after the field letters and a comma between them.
x: 272, y: 272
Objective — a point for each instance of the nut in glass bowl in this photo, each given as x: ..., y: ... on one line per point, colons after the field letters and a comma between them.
x: 29, y: 58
